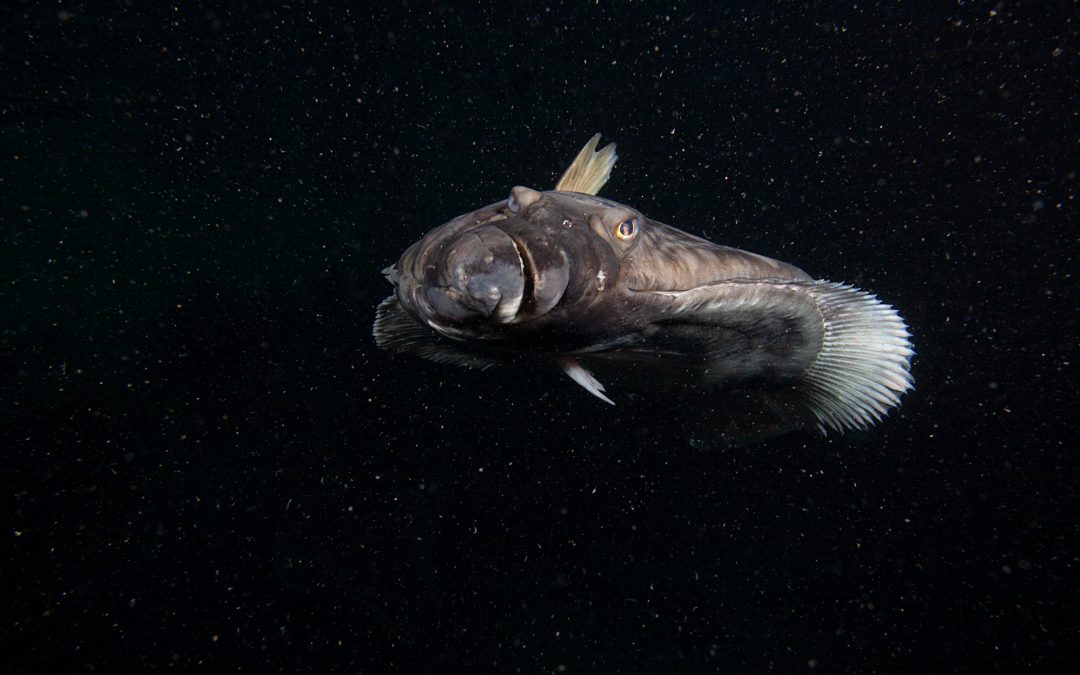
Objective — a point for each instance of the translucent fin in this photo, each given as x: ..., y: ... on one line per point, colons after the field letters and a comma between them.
x: 578, y: 374
x: 864, y: 364
x: 397, y: 331
x: 590, y: 170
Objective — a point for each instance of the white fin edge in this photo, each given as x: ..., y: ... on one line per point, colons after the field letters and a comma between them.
x: 590, y: 170
x: 865, y: 361
x: 579, y: 374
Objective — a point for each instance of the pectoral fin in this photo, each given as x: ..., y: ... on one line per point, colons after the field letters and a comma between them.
x: 847, y: 352
x: 397, y: 331
x: 579, y: 374
x: 865, y: 361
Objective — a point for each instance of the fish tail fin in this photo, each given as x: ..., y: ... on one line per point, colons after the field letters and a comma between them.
x: 865, y: 361
x: 590, y: 170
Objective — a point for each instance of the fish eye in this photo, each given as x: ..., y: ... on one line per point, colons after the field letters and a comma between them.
x: 627, y: 229
x: 513, y: 204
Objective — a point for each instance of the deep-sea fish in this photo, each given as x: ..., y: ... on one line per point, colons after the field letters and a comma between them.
x: 571, y: 279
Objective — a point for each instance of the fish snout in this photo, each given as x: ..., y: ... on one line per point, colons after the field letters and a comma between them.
x: 481, y: 277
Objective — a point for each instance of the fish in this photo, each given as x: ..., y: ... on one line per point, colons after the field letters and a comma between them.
x: 567, y: 279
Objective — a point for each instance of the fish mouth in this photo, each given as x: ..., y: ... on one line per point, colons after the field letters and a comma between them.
x: 528, y: 275
x: 483, y: 279
x: 546, y: 273
x: 509, y: 304
x: 474, y: 279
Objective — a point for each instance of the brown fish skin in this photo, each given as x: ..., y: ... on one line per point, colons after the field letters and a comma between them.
x: 630, y: 315
x: 567, y: 277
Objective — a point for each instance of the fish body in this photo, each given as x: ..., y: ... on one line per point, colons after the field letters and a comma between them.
x: 575, y: 280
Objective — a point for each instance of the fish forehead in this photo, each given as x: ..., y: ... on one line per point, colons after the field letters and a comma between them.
x: 562, y: 216
x: 571, y: 199
x: 553, y: 204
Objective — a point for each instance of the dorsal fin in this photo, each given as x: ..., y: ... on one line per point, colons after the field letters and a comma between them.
x: 590, y: 169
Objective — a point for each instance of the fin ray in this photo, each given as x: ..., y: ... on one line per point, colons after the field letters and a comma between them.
x: 865, y: 361
x: 590, y: 169
x: 579, y: 374
x: 848, y: 352
x: 395, y: 330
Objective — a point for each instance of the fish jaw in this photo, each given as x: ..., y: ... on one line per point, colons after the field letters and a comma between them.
x: 473, y: 277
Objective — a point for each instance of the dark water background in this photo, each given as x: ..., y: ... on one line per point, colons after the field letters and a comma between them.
x: 208, y: 466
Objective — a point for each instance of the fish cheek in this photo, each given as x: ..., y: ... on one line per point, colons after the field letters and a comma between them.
x: 601, y: 229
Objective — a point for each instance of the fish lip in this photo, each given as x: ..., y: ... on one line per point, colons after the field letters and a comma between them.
x: 421, y: 292
x: 508, y: 315
x: 544, y: 287
x: 528, y: 274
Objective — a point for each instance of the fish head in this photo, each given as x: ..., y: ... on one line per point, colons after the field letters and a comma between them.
x: 509, y: 267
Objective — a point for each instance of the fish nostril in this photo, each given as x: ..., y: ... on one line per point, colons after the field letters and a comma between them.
x: 522, y: 198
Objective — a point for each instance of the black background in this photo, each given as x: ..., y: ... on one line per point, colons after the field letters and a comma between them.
x: 209, y: 465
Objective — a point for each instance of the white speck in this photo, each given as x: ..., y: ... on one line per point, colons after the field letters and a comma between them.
x: 600, y: 277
